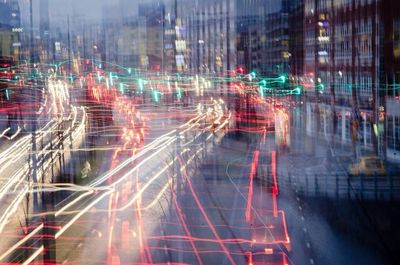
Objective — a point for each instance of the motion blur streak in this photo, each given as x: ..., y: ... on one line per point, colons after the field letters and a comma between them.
x: 204, y: 214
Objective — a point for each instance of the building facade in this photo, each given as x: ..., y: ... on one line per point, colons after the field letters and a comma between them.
x: 245, y: 36
x: 211, y: 36
x: 10, y: 28
x: 350, y: 64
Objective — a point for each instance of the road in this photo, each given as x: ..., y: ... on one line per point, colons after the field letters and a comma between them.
x: 199, y: 183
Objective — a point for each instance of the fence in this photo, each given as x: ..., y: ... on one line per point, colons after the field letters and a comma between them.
x: 341, y: 186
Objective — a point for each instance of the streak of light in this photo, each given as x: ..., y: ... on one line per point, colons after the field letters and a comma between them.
x: 253, y: 172
x: 13, y: 207
x: 113, y: 202
x: 159, y: 195
x: 145, y: 186
x: 12, y: 136
x: 287, y: 239
x: 205, y: 216
x: 275, y: 190
x: 187, y: 231
x: 22, y: 241
x: 73, y: 202
x: 76, y: 217
x: 4, y: 132
x: 33, y: 256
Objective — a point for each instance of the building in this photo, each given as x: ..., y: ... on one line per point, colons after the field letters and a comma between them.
x: 211, y: 36
x: 153, y: 14
x: 44, y: 31
x: 112, y: 25
x: 132, y: 45
x: 351, y: 64
x: 10, y: 28
x: 245, y: 36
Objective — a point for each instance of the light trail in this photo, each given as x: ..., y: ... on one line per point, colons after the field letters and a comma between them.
x: 186, y: 229
x: 159, y: 142
x: 205, y: 216
x: 22, y: 241
x: 73, y: 202
x: 285, y: 242
x: 253, y: 172
x: 33, y: 256
x: 83, y: 211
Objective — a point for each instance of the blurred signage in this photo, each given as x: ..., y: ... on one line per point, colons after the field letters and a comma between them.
x: 57, y: 46
x: 180, y: 45
x: 180, y: 60
x: 16, y: 44
x: 17, y: 30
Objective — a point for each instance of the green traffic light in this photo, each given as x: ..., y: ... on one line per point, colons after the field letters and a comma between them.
x: 297, y: 91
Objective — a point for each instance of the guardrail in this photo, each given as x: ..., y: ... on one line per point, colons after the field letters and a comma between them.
x: 342, y: 186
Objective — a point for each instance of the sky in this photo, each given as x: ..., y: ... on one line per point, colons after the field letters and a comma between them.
x: 90, y: 10
x: 60, y: 9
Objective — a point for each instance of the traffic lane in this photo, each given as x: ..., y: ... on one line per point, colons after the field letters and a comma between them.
x: 236, y: 233
x: 90, y: 221
x: 148, y: 172
x: 313, y: 237
x: 16, y: 213
x: 102, y: 206
x: 145, y: 174
x: 219, y: 208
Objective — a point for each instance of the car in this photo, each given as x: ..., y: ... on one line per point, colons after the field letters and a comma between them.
x: 368, y: 166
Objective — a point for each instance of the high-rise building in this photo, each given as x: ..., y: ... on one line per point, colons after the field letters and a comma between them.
x: 10, y: 27
x: 152, y: 14
x: 44, y: 28
x: 245, y: 36
x: 44, y: 23
x: 112, y: 24
x: 211, y: 36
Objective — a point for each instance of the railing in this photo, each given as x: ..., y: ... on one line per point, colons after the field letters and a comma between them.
x: 342, y: 186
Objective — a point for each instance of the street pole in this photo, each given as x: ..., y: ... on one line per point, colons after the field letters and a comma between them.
x: 69, y: 50
x: 34, y: 98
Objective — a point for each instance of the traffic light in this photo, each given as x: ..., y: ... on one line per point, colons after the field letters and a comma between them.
x: 156, y: 96
x: 253, y: 74
x: 141, y: 84
x: 296, y: 91
x: 179, y: 93
x: 7, y: 94
x: 121, y: 88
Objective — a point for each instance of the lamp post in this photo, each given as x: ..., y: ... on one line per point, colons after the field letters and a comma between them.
x: 34, y: 98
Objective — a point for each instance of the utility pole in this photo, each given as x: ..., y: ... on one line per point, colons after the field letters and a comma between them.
x: 69, y: 48
x: 175, y: 65
x: 34, y: 98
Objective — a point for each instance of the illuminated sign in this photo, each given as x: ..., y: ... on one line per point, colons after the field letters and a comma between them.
x: 323, y: 38
x: 17, y: 30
